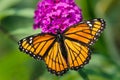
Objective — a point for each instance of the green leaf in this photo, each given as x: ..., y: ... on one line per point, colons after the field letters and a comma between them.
x: 26, y: 12
x: 5, y: 4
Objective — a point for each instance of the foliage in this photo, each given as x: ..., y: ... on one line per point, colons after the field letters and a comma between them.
x: 16, y: 20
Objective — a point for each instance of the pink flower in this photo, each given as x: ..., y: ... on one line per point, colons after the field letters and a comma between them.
x: 54, y: 15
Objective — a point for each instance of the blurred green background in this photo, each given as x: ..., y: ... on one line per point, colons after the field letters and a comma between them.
x: 16, y: 20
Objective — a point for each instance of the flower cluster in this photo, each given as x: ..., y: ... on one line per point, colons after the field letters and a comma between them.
x: 53, y: 15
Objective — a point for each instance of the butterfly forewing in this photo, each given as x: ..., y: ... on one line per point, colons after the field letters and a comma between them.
x: 86, y: 32
x: 36, y: 45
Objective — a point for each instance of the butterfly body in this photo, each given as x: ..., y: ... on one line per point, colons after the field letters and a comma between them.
x: 67, y: 50
x: 60, y: 39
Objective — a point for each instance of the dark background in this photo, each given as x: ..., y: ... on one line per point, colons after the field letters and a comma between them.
x: 16, y: 20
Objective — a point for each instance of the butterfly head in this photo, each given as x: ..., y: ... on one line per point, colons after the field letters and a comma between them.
x: 58, y: 31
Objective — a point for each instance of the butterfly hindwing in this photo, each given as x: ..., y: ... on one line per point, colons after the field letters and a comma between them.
x: 36, y: 45
x: 78, y: 54
x: 55, y: 60
x: 86, y: 32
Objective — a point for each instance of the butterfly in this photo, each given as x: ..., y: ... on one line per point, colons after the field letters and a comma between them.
x: 67, y: 50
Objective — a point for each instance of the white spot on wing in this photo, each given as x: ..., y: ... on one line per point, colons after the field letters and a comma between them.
x: 95, y: 19
x: 26, y: 50
x: 90, y: 25
x: 30, y: 52
x: 88, y: 22
x: 30, y: 41
x: 99, y: 30
x: 24, y: 39
x: 31, y: 38
x: 33, y: 55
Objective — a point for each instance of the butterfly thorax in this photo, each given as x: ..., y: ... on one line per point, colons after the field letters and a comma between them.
x: 59, y: 37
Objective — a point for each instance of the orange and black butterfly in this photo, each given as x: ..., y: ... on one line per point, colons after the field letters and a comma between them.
x: 67, y: 50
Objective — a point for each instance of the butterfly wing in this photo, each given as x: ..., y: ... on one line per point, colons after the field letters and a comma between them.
x: 37, y: 45
x: 78, y: 39
x: 78, y: 54
x: 45, y: 47
x: 55, y: 60
x: 86, y: 32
